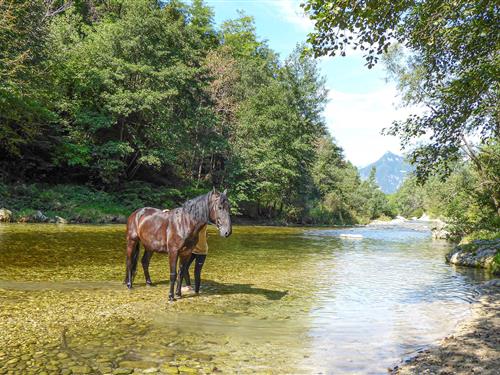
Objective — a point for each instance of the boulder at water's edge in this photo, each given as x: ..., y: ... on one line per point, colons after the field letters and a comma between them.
x: 5, y: 215
x: 479, y: 253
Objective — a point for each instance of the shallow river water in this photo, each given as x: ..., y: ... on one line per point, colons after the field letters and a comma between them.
x: 274, y: 300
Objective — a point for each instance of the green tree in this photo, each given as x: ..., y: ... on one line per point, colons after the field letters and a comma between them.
x: 25, y: 114
x: 276, y: 133
x: 452, y: 69
x: 133, y: 97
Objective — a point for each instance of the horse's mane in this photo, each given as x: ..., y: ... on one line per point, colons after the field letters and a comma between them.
x: 198, y: 207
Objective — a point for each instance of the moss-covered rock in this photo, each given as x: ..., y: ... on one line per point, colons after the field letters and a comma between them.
x: 478, y: 253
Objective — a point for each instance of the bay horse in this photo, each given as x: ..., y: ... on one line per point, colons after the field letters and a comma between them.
x: 174, y: 232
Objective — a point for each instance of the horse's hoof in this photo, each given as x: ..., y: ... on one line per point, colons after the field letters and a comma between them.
x: 171, y: 299
x: 129, y: 286
x: 150, y: 283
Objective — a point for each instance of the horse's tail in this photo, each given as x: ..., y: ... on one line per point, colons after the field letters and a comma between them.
x: 133, y: 242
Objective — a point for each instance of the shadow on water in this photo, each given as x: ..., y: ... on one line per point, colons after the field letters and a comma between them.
x: 212, y: 288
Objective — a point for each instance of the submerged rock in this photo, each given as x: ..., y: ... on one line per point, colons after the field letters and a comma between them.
x: 350, y: 235
x: 81, y: 370
x: 169, y: 369
x: 137, y: 364
x: 188, y: 370
x: 122, y: 371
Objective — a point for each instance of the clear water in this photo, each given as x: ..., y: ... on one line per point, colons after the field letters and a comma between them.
x: 274, y: 300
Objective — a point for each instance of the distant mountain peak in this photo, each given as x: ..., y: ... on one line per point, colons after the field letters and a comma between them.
x: 391, y: 170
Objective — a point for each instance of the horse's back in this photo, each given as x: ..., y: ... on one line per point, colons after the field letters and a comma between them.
x: 148, y: 225
x: 135, y: 218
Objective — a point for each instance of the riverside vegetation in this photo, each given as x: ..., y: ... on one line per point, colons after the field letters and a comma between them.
x: 107, y: 106
x: 444, y: 58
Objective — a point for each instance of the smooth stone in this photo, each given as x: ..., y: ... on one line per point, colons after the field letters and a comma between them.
x: 103, y: 360
x: 169, y: 369
x: 137, y: 364
x: 81, y: 369
x: 167, y: 352
x: 202, y: 356
x: 189, y: 370
x: 122, y: 371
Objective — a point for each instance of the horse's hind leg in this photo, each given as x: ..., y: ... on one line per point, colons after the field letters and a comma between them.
x: 132, y: 255
x: 146, y: 258
x: 135, y: 259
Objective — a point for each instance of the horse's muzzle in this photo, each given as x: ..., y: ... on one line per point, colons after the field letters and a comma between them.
x: 225, y: 233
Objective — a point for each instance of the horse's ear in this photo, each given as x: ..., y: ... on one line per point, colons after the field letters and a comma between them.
x: 225, y: 192
x: 213, y: 190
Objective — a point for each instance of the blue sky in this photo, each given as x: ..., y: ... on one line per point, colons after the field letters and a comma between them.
x: 361, y: 101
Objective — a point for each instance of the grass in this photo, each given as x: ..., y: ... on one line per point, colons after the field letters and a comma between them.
x: 83, y: 204
x: 481, y: 235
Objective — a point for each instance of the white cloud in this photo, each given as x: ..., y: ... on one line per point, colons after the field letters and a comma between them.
x: 355, y: 120
x: 290, y: 11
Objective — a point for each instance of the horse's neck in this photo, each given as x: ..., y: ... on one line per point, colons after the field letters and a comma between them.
x: 198, y: 222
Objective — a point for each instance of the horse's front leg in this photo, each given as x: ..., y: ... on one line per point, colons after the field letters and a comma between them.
x: 173, y: 256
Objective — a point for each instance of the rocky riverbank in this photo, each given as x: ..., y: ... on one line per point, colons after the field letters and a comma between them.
x: 479, y: 254
x: 472, y: 349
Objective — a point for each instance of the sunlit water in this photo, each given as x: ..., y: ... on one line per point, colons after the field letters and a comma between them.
x: 274, y: 300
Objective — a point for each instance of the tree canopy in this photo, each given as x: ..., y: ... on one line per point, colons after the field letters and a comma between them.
x: 112, y: 93
x: 444, y: 55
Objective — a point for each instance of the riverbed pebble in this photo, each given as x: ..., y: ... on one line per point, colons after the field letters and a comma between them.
x: 81, y: 369
x: 122, y: 371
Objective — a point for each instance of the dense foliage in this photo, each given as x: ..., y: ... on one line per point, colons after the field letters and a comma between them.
x: 460, y: 198
x: 142, y: 94
x: 444, y: 57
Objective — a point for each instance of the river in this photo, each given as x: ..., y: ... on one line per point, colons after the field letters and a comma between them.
x: 274, y: 300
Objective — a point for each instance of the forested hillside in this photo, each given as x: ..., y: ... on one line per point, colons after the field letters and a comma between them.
x: 110, y: 105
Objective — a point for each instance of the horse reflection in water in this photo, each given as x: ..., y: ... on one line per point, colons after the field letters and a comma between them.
x: 174, y: 232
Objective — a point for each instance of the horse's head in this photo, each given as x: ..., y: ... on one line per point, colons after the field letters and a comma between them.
x: 220, y: 210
